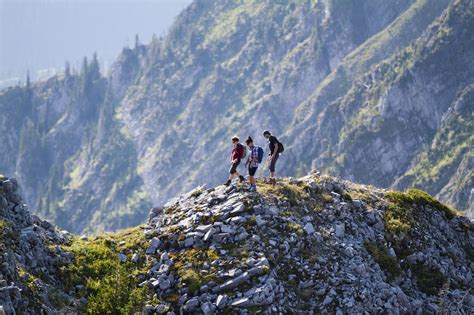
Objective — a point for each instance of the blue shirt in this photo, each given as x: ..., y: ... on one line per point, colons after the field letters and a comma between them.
x: 253, y: 157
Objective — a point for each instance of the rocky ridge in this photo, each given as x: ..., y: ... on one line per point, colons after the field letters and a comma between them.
x: 30, y: 258
x: 309, y: 245
x: 315, y: 244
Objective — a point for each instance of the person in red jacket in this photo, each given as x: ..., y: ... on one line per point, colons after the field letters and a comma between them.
x: 238, y: 153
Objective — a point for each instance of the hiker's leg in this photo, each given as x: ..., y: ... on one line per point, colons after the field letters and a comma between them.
x: 232, y: 172
x: 272, y: 169
x: 252, y: 171
x: 273, y: 164
x: 233, y: 169
x: 253, y: 182
x: 231, y: 175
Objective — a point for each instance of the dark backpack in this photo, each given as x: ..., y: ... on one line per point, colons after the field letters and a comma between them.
x: 260, y: 154
x: 281, y: 148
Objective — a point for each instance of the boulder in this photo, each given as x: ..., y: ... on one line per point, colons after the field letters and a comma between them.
x: 221, y: 301
x: 340, y: 230
x: 242, y: 302
x: 191, y: 305
x: 308, y: 228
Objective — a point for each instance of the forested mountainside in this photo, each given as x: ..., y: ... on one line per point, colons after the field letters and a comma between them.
x: 376, y: 91
x: 61, y: 139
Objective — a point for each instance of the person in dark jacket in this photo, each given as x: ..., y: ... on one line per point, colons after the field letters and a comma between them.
x: 273, y: 155
x: 236, y: 155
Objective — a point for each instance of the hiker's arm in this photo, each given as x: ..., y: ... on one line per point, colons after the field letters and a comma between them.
x: 275, y: 150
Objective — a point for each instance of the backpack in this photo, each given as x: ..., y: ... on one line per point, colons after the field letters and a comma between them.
x: 260, y: 154
x: 281, y: 148
x: 244, y: 151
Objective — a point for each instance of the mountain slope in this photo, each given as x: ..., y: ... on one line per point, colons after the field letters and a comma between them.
x: 376, y: 132
x: 243, y: 67
x: 358, y: 90
x: 64, y: 144
x: 309, y: 244
x: 451, y: 152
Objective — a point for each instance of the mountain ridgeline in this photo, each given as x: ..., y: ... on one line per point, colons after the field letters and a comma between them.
x: 306, y: 245
x: 378, y: 92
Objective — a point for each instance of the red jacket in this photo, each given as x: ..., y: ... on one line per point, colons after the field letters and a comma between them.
x: 237, y: 152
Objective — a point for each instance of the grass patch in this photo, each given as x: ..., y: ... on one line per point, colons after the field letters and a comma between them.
x: 398, y: 217
x: 192, y: 278
x: 327, y: 198
x: 293, y: 193
x: 469, y: 253
x: 188, y: 265
x: 7, y: 235
x: 363, y: 195
x: 423, y: 198
x: 297, y: 228
x: 381, y: 256
x: 197, y: 192
x: 344, y: 195
x: 252, y: 222
x: 428, y: 280
x: 110, y: 285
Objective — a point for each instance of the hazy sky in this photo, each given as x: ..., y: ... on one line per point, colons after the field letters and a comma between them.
x: 41, y: 34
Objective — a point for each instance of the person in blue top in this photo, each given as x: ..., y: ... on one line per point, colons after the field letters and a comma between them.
x: 252, y: 162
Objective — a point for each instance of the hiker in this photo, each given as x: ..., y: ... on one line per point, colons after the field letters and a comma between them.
x: 255, y: 158
x: 275, y: 149
x: 238, y: 153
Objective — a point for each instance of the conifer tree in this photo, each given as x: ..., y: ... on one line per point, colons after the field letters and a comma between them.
x: 67, y: 69
x: 137, y: 41
x: 28, y: 82
x: 94, y: 69
x: 85, y: 66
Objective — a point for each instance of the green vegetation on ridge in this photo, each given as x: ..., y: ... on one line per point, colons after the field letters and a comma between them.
x: 109, y: 284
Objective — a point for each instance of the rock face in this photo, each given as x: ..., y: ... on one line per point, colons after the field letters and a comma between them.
x: 30, y: 258
x: 391, y: 127
x: 374, y: 91
x: 307, y: 245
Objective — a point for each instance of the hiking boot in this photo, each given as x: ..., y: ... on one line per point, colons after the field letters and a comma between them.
x: 227, y: 183
x: 273, y: 181
x: 241, y: 178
